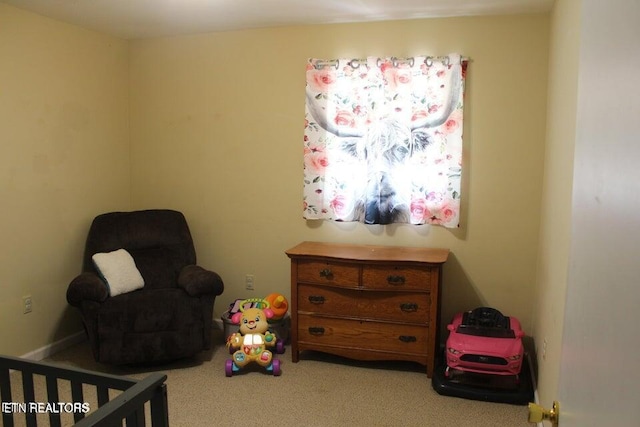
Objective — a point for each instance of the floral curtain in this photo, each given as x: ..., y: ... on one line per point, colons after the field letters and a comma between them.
x: 383, y: 140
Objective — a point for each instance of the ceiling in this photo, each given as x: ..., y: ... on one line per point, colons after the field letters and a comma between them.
x: 133, y: 19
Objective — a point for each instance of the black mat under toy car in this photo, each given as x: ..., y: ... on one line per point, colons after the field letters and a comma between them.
x: 486, y: 387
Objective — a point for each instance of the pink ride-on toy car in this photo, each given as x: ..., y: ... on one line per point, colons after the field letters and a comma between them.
x: 484, y: 341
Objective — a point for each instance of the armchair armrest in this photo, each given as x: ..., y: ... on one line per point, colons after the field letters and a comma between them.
x: 86, y: 286
x: 198, y: 281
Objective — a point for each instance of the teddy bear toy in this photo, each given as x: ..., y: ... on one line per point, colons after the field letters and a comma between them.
x: 252, y: 343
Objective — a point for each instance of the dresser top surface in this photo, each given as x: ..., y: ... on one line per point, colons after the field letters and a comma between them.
x: 352, y: 252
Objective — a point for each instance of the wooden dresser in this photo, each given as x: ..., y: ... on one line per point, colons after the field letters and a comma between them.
x: 366, y: 302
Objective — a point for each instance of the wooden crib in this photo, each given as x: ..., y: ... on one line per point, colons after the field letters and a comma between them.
x: 91, y: 398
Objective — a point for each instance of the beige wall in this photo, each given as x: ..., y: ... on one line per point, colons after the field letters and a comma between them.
x: 555, y: 230
x: 217, y: 126
x: 212, y: 125
x: 64, y: 156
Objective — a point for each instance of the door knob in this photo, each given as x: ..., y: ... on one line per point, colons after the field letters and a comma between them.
x: 537, y: 413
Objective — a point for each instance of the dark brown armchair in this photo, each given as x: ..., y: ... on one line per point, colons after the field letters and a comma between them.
x: 171, y: 316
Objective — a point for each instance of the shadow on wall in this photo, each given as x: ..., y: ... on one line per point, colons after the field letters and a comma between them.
x: 458, y: 294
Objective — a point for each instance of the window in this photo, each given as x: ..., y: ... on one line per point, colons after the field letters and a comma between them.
x: 383, y: 140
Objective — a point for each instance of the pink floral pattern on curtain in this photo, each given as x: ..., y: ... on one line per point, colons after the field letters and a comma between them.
x: 383, y: 140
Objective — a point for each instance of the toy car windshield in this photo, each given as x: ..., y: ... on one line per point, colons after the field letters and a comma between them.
x: 486, y: 322
x: 485, y: 332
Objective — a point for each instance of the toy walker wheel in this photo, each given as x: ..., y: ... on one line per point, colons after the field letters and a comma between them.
x: 280, y: 347
x: 276, y: 368
x: 228, y: 367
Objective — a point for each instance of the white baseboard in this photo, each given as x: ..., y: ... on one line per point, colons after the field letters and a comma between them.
x: 53, y: 348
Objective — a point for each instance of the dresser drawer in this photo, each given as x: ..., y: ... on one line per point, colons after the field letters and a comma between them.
x: 410, y: 307
x: 328, y: 273
x: 396, y: 278
x: 363, y: 334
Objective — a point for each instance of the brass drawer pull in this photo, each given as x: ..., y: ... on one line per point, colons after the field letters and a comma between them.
x: 316, y: 299
x: 327, y: 273
x: 316, y: 330
x: 408, y: 338
x: 396, y: 280
x: 409, y: 307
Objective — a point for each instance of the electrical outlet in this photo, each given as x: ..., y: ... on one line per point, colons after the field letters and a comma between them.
x: 249, y: 281
x: 27, y: 304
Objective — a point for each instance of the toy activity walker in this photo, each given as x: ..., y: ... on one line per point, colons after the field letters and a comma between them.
x: 254, y: 340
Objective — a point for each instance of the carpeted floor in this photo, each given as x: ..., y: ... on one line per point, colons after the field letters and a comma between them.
x: 320, y: 390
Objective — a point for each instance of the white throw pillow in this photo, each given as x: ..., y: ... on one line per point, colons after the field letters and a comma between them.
x: 119, y: 270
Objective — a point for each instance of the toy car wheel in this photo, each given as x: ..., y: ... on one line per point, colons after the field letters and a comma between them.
x: 276, y: 368
x: 228, y: 367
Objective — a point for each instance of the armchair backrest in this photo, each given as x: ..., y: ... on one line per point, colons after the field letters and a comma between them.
x: 159, y: 241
